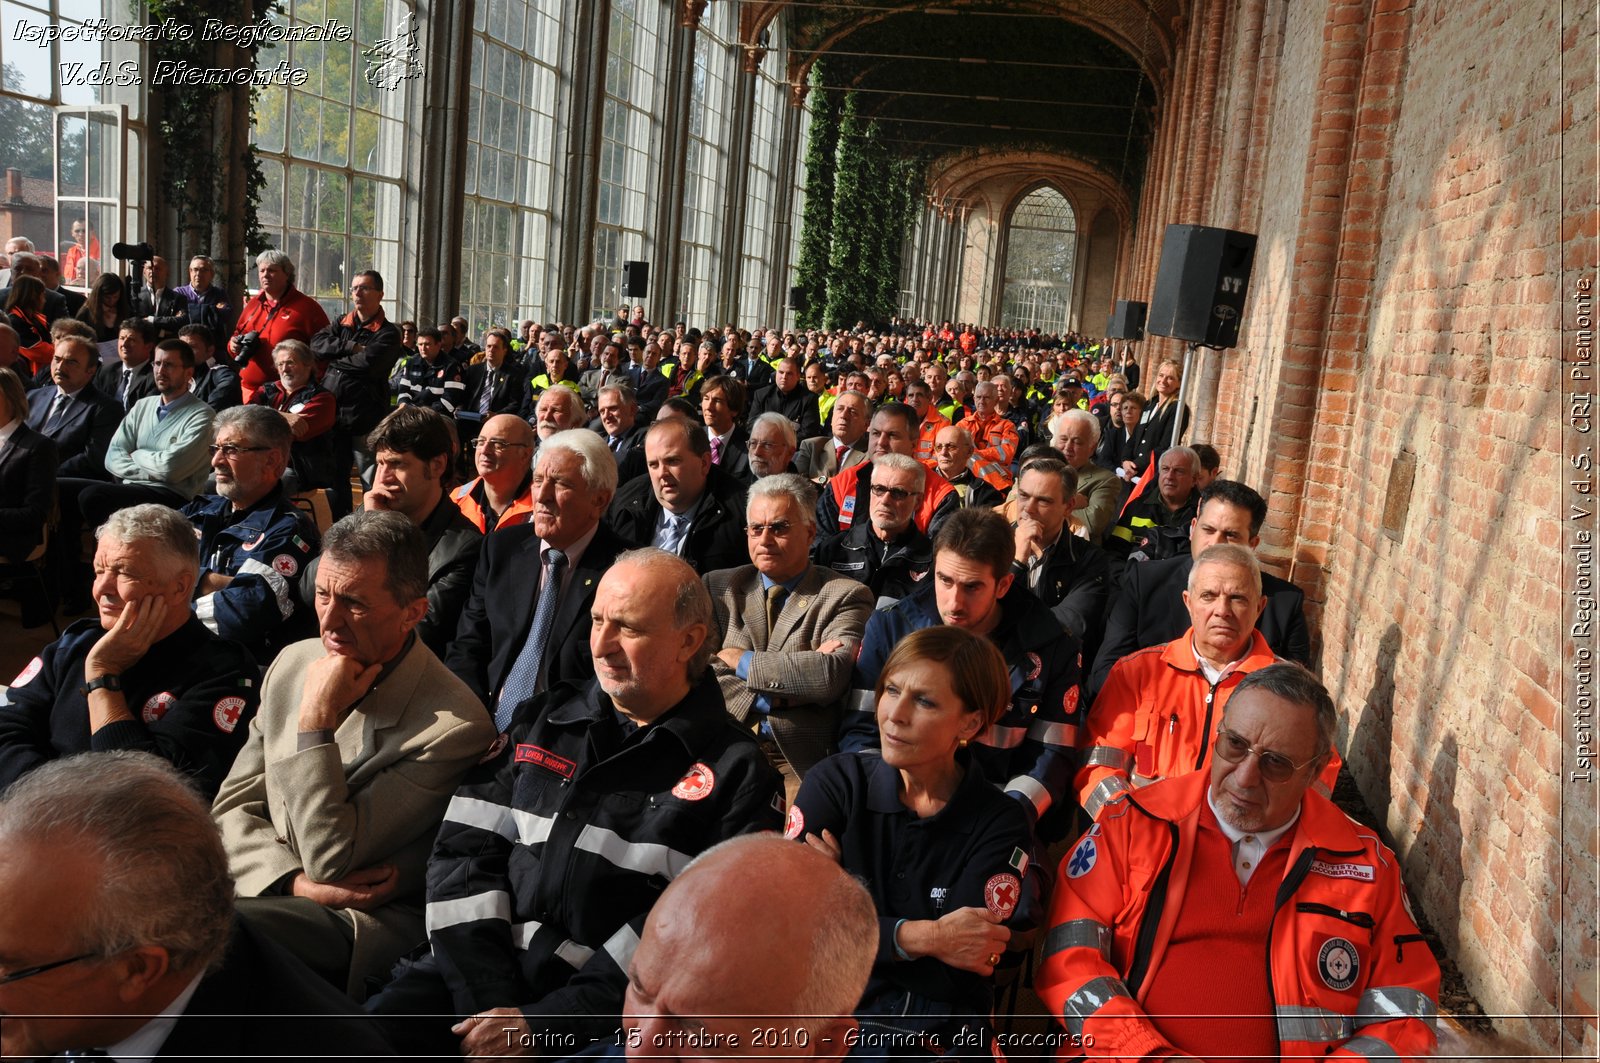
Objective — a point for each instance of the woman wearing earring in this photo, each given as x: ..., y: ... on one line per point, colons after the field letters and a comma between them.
x: 941, y: 848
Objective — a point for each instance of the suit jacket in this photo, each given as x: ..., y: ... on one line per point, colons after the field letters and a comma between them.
x: 806, y: 687
x: 815, y: 457
x: 83, y: 431
x: 27, y: 491
x: 375, y: 795
x: 263, y: 1003
x: 629, y: 453
x: 735, y: 463
x: 142, y: 386
x: 510, y: 385
x: 499, y: 613
x: 170, y: 310
x: 217, y: 385
x: 1104, y: 493
x: 716, y: 536
x: 1147, y: 610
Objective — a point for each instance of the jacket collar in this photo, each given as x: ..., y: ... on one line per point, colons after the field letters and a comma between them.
x: 1179, y: 653
x: 1321, y: 824
x: 960, y: 813
x: 692, y: 722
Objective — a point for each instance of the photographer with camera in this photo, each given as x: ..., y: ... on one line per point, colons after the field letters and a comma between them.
x: 278, y: 312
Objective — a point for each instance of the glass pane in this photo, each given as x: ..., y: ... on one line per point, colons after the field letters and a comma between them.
x: 363, y: 207
x: 271, y: 109
x: 300, y: 201
x: 72, y: 180
x: 335, y: 134
x: 28, y: 65
x: 104, y: 161
x: 270, y: 209
x: 78, y: 61
x: 331, y: 202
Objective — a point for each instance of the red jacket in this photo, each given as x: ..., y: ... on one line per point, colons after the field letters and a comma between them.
x: 1156, y: 716
x: 994, y: 442
x: 296, y: 316
x: 845, y: 493
x: 1350, y: 975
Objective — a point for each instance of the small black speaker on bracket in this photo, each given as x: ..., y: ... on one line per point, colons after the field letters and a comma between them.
x: 1201, y: 284
x: 635, y: 280
x: 797, y: 299
x: 1127, y: 320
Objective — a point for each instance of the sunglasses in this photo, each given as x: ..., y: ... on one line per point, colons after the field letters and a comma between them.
x: 1275, y: 767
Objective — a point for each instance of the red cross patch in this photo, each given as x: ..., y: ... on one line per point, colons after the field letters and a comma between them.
x: 1001, y: 894
x: 225, y: 714
x: 696, y: 783
x: 284, y: 565
x: 26, y: 675
x: 158, y: 705
x: 796, y: 825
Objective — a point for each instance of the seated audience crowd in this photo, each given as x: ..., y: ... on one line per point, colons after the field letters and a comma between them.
x: 483, y: 655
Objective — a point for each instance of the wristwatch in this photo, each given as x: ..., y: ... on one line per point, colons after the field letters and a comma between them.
x: 104, y: 682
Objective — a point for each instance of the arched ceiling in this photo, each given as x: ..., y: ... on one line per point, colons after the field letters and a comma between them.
x: 953, y: 181
x: 1076, y: 78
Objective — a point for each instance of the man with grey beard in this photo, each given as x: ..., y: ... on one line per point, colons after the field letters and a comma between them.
x: 253, y: 541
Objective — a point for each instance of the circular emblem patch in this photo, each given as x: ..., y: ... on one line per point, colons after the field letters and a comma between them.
x: 253, y: 543
x: 1338, y: 963
x: 26, y: 675
x: 1001, y: 894
x: 796, y: 825
x: 157, y: 706
x: 1069, y: 701
x: 225, y: 714
x: 1081, y: 862
x: 1035, y: 666
x: 284, y: 565
x: 695, y: 784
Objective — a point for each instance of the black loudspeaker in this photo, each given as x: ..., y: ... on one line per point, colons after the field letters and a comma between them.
x: 635, y: 280
x: 1201, y: 284
x: 797, y: 299
x: 1127, y: 321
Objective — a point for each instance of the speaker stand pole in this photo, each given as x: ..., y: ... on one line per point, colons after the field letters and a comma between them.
x: 1183, y: 390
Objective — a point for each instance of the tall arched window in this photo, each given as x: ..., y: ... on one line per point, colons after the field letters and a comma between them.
x: 1041, y: 245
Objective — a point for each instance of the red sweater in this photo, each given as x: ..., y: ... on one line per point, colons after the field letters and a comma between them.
x: 1226, y: 1016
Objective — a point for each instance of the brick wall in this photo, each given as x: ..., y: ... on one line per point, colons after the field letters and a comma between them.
x: 1407, y: 188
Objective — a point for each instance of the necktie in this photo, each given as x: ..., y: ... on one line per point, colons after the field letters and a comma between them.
x: 775, y: 596
x: 56, y: 407
x: 616, y: 444
x: 716, y: 451
x: 526, y: 677
x: 488, y: 393
x: 838, y: 457
x: 122, y: 392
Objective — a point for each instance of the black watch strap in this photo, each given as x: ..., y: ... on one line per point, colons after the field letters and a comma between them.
x: 104, y: 682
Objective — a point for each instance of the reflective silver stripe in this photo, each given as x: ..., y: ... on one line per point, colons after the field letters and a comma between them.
x: 621, y: 945
x: 205, y: 611
x: 1106, y: 791
x: 496, y: 904
x: 1079, y: 934
x: 1110, y: 757
x: 861, y: 701
x: 1033, y: 790
x: 644, y: 857
x: 1372, y: 1048
x: 1090, y: 998
x: 1054, y: 734
x: 1396, y: 1002
x: 1297, y: 1023
x: 512, y: 824
x: 279, y: 585
x: 1003, y: 737
x: 575, y: 954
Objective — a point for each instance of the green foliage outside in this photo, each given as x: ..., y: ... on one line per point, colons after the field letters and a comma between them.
x: 816, y: 224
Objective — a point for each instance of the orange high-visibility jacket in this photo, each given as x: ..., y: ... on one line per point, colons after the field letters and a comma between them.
x: 1156, y: 716
x: 1351, y: 977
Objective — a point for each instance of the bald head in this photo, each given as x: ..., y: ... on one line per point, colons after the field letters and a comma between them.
x: 711, y: 948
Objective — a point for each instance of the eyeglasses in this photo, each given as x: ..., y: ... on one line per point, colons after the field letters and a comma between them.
x: 779, y: 529
x: 495, y: 446
x: 29, y: 972
x: 899, y: 494
x: 233, y: 450
x: 1275, y: 767
x: 762, y: 444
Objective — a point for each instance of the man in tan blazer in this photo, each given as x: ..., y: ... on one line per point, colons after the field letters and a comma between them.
x: 789, y: 630
x: 821, y: 457
x: 331, y: 808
